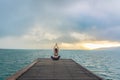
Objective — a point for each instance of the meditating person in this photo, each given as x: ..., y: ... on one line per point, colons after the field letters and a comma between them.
x: 56, y: 50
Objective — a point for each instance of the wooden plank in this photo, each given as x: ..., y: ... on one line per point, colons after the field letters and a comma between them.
x: 20, y: 72
x: 47, y: 69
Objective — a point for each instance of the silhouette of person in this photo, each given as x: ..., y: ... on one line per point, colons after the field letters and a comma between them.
x: 56, y: 50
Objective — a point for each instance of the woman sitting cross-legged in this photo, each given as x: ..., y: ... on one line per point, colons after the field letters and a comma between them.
x: 56, y: 50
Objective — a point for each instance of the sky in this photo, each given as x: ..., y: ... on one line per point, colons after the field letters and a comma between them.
x: 73, y: 24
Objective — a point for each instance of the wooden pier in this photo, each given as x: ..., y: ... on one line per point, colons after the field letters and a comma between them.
x: 47, y: 69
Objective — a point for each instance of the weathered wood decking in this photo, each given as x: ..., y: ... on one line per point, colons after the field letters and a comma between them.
x: 47, y: 69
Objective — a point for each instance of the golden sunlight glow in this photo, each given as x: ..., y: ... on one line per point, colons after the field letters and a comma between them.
x: 90, y: 45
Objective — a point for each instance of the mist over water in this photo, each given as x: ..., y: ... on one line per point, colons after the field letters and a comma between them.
x: 104, y: 63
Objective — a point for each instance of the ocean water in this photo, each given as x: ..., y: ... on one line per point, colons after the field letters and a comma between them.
x: 104, y: 63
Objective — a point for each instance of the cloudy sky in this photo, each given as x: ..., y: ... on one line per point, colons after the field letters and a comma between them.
x: 73, y: 24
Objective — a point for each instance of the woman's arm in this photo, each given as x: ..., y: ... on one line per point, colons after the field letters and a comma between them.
x: 56, y: 46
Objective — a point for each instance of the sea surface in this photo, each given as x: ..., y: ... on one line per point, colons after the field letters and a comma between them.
x: 104, y: 63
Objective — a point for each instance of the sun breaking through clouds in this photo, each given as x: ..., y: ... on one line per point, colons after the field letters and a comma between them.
x: 73, y: 24
x: 90, y: 45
